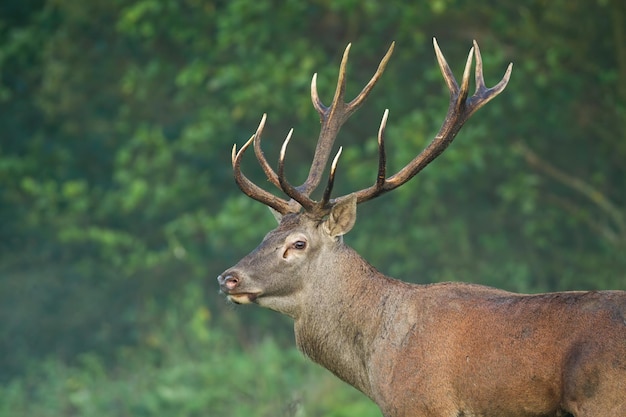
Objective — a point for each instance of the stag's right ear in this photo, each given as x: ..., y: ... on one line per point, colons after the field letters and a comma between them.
x: 276, y: 214
x: 342, y: 217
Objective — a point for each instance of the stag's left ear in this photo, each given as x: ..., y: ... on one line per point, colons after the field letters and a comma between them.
x: 342, y: 217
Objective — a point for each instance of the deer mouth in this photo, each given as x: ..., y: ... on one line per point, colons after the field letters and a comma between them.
x: 243, y: 297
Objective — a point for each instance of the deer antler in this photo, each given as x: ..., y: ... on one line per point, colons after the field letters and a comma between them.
x: 459, y: 111
x: 331, y: 118
x: 334, y: 116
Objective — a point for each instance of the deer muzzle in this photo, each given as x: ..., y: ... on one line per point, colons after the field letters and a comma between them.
x: 230, y: 286
x: 228, y: 282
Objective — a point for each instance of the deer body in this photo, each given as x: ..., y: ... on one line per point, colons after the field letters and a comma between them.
x: 464, y: 350
x: 439, y: 350
x: 449, y: 349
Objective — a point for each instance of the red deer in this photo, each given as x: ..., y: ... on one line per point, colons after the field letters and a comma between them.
x: 444, y: 350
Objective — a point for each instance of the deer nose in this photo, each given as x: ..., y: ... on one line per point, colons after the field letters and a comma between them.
x: 228, y: 282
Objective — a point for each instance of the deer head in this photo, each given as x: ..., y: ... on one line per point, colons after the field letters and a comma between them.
x: 308, y: 240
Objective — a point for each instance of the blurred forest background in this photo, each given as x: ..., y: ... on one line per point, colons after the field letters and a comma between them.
x: 118, y: 208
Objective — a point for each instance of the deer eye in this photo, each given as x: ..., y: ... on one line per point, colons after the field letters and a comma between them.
x: 299, y: 245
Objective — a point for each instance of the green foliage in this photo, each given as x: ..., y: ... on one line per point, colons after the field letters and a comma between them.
x: 192, y: 368
x: 116, y: 192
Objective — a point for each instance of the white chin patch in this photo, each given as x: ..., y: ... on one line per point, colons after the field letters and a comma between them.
x: 240, y: 298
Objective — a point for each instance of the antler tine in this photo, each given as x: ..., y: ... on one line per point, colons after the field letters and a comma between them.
x: 464, y: 91
x: 483, y: 94
x: 381, y: 180
x: 251, y: 189
x: 382, y: 158
x: 331, y: 181
x: 334, y: 116
x: 289, y: 189
x: 459, y: 110
x: 339, y: 90
x: 269, y: 172
x: 358, y: 100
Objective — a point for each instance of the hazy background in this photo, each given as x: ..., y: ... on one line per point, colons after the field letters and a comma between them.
x: 118, y: 208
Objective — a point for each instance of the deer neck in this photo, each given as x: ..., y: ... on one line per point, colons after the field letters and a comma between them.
x: 342, y: 315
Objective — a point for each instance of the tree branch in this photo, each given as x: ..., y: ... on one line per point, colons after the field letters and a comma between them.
x: 576, y: 184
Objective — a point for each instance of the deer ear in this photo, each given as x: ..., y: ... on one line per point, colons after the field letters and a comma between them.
x: 276, y: 215
x: 342, y: 217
